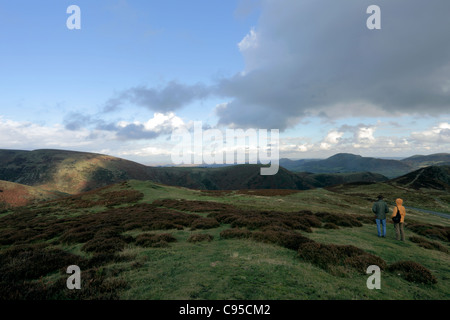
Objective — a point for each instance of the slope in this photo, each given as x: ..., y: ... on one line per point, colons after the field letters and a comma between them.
x: 67, y: 171
x: 74, y: 172
x: 179, y: 244
x: 419, y: 161
x: 432, y: 177
x: 14, y: 194
x: 345, y: 162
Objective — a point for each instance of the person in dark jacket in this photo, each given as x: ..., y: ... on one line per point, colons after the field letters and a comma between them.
x: 380, y: 208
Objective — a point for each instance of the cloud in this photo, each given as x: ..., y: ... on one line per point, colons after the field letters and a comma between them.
x: 310, y: 57
x: 160, y: 124
x: 332, y: 138
x: 28, y: 135
x: 437, y: 134
x: 171, y: 97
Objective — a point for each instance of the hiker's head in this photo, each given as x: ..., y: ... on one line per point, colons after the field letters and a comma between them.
x: 380, y: 197
x: 399, y: 201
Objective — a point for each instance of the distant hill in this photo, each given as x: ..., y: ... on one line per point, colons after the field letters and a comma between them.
x: 74, y: 172
x: 419, y: 161
x: 249, y: 177
x: 433, y: 177
x: 346, y: 162
x: 295, y: 165
x: 14, y: 194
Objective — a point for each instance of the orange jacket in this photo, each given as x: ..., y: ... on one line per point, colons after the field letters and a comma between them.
x: 402, y: 209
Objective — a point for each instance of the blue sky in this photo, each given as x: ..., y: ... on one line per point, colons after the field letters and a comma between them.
x: 311, y: 69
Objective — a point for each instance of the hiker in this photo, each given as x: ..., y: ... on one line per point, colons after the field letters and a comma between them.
x: 400, y: 234
x: 380, y: 208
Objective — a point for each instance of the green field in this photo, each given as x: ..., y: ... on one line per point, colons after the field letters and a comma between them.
x: 122, y: 258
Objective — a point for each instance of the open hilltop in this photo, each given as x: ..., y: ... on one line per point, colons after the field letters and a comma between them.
x: 144, y: 240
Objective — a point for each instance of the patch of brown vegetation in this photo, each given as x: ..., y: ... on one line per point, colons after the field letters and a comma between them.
x: 200, y: 237
x: 328, y: 256
x: 268, y: 192
x: 413, y: 272
x: 236, y: 233
x: 100, y: 197
x: 427, y: 244
x: 430, y: 231
x: 154, y: 240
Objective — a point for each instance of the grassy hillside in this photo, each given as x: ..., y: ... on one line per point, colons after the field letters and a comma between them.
x: 420, y: 161
x: 14, y: 194
x: 141, y: 240
x: 73, y: 172
x: 66, y: 171
x: 432, y: 177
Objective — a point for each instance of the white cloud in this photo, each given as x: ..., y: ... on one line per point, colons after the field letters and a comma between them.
x: 159, y: 123
x: 250, y: 41
x: 333, y: 137
x: 364, y: 137
x: 437, y: 134
x: 26, y: 135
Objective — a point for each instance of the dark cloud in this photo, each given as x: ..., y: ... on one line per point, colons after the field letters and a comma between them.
x: 318, y: 58
x: 75, y: 121
x: 135, y: 132
x: 309, y: 57
x: 171, y: 97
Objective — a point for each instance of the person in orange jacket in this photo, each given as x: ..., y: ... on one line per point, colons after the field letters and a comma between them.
x: 400, y: 234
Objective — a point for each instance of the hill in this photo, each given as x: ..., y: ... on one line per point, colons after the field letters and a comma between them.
x: 432, y: 177
x: 14, y: 194
x: 139, y: 240
x: 346, y: 162
x: 73, y: 172
x: 67, y: 171
x: 419, y: 161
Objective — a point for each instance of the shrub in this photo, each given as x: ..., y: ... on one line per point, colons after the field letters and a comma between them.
x: 104, y: 245
x: 204, y: 223
x: 31, y: 262
x: 268, y: 192
x: 330, y: 225
x: 200, y: 237
x: 154, y: 240
x: 431, y: 231
x: 328, y: 256
x: 344, y: 220
x: 427, y: 244
x: 236, y: 233
x: 413, y: 272
x: 285, y: 238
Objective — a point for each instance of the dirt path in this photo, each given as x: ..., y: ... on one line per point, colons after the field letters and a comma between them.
x: 445, y: 215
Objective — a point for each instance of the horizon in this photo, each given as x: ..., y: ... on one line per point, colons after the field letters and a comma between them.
x: 170, y: 164
x: 129, y: 73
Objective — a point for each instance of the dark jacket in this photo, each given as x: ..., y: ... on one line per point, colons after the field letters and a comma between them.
x: 380, y: 208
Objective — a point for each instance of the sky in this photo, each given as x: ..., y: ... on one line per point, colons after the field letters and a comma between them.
x: 137, y: 70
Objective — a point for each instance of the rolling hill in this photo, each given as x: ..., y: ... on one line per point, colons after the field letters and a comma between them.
x: 432, y: 177
x: 74, y: 172
x: 419, y: 161
x: 139, y: 240
x: 67, y: 171
x: 14, y: 194
x: 346, y: 162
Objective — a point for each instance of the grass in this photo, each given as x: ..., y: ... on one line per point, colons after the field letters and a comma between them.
x: 162, y: 242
